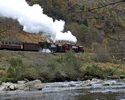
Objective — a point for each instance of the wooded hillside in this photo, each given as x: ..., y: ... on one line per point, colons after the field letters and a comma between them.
x: 100, y: 29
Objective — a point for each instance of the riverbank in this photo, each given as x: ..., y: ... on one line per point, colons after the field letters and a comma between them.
x: 79, y: 90
x: 55, y: 67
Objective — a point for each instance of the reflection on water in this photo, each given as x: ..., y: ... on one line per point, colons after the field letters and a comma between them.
x: 57, y: 91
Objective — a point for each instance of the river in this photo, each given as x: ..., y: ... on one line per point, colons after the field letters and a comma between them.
x: 59, y: 91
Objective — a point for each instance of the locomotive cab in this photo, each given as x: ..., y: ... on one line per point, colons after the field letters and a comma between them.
x: 53, y: 48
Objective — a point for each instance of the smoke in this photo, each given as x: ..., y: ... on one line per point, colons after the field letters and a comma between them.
x: 33, y: 20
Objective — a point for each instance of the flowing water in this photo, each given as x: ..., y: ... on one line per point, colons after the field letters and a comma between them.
x: 59, y: 91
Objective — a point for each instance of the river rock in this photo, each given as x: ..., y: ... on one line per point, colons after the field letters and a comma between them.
x: 108, y: 83
x: 31, y: 85
x: 122, y: 76
x: 14, y: 86
x: 69, y: 84
x: 6, y: 84
x: 0, y: 82
x: 90, y: 82
x: 4, y: 88
x: 97, y: 81
x: 33, y: 82
x: 84, y: 82
x: 34, y: 85
x: 20, y: 86
x: 21, y: 82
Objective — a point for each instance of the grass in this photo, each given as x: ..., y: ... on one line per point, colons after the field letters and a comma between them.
x: 57, y: 67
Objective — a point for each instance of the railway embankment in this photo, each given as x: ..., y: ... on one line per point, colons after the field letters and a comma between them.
x: 55, y: 67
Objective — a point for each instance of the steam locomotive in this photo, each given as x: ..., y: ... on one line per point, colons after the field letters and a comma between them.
x: 24, y: 46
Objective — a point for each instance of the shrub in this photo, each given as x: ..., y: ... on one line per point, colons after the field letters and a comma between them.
x: 52, y: 64
x: 21, y: 54
x: 102, y: 17
x: 71, y: 65
x: 94, y: 70
x: 60, y: 58
x: 95, y: 46
x: 15, y: 62
x: 6, y: 79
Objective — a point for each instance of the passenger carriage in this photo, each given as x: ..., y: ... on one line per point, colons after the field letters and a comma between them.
x: 10, y: 44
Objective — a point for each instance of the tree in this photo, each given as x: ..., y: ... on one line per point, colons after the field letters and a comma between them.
x: 58, y: 13
x: 69, y: 18
x: 83, y: 30
x: 85, y: 22
x: 113, y: 30
x: 31, y: 2
x: 83, y: 6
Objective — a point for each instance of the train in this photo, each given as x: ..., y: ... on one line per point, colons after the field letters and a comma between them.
x: 24, y: 46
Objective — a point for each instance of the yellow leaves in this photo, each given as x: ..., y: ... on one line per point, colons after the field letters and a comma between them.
x: 105, y: 44
x: 101, y: 10
x: 93, y: 20
x: 108, y: 12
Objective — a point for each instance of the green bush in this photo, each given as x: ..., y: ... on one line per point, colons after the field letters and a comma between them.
x: 6, y: 79
x: 52, y: 64
x: 71, y: 65
x: 102, y: 17
x: 15, y: 62
x: 94, y: 71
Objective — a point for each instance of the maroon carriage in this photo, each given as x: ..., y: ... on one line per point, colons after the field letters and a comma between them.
x: 31, y: 47
x: 10, y: 44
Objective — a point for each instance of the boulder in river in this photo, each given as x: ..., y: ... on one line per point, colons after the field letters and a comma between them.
x: 108, y: 83
x: 21, y: 82
x: 34, y: 85
x: 21, y: 85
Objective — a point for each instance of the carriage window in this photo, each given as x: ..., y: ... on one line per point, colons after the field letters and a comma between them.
x: 9, y: 43
x: 6, y: 42
x: 2, y: 42
x: 13, y: 43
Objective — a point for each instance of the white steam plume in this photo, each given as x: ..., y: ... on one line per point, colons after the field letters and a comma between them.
x: 33, y: 20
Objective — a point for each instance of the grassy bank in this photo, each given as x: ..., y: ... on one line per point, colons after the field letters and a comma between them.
x: 55, y: 67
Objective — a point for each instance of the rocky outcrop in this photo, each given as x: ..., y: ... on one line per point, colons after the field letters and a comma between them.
x: 90, y: 82
x: 22, y: 85
x: 95, y: 81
